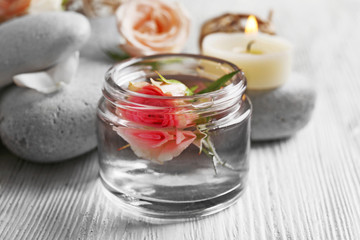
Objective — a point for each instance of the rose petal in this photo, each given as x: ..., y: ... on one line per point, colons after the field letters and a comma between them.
x: 51, y: 80
x: 179, y: 137
x: 171, y: 149
x: 39, y: 81
x: 174, y: 89
x: 156, y: 145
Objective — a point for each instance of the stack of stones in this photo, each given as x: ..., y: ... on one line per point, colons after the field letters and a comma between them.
x: 46, y: 127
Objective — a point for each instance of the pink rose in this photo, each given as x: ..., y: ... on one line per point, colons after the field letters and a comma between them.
x: 152, y: 26
x: 156, y: 145
x: 160, y: 118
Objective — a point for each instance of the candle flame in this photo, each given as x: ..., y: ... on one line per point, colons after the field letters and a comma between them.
x: 251, y: 25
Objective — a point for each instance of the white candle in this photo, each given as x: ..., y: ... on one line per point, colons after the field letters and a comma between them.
x: 266, y: 65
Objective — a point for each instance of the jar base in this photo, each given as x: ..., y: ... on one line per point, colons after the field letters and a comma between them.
x: 160, y: 212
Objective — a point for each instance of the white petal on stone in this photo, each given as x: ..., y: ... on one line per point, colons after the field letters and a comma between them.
x: 39, y: 81
x: 51, y: 80
x: 65, y: 70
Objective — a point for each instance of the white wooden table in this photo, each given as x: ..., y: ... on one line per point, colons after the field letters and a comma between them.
x: 306, y: 187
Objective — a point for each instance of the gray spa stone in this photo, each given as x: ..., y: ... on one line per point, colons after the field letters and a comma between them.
x: 53, y: 127
x: 281, y: 112
x: 35, y: 42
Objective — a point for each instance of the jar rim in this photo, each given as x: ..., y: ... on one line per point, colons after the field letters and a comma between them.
x: 238, y: 84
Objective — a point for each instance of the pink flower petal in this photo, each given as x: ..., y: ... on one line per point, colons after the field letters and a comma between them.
x: 156, y: 145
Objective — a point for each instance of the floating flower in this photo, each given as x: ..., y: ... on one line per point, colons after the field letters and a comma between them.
x: 165, y: 117
x: 162, y: 135
x: 168, y: 116
x: 152, y: 26
x: 156, y: 145
x: 161, y: 139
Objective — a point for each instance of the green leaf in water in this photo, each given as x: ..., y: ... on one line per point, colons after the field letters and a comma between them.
x: 219, y: 83
x: 193, y: 88
x: 191, y: 91
x: 161, y: 78
x: 188, y: 92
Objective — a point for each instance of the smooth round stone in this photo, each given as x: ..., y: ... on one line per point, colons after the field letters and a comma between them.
x: 281, y: 112
x: 36, y: 42
x: 53, y: 127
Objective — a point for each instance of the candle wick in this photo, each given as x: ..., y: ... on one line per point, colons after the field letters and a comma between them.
x: 248, y: 46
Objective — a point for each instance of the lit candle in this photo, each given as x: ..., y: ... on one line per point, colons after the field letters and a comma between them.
x: 265, y: 59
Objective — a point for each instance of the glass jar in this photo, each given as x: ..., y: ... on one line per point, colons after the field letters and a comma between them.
x: 174, y: 157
